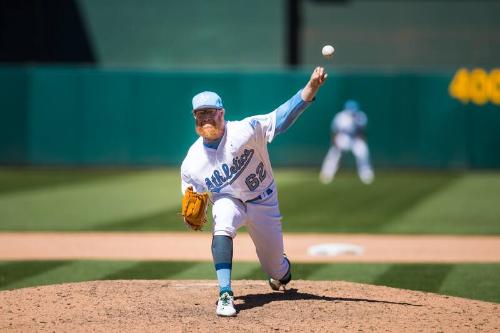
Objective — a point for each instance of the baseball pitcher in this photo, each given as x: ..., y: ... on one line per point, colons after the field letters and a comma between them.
x: 229, y: 163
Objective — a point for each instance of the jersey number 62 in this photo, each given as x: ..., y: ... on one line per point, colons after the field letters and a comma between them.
x: 254, y: 179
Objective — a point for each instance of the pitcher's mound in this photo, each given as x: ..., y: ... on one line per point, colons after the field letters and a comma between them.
x: 309, y: 306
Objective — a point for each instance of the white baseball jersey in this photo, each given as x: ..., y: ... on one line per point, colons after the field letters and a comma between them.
x: 239, y: 167
x: 349, y: 122
x: 238, y: 174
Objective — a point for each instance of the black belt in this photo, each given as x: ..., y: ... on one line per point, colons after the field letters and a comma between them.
x: 268, y: 192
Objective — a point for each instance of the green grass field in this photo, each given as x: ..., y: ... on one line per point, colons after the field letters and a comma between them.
x: 149, y: 200
x: 474, y: 281
x: 399, y: 202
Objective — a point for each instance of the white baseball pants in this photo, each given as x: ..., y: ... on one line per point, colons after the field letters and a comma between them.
x: 263, y: 221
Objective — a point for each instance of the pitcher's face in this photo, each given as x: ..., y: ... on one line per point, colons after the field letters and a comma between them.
x: 209, y: 123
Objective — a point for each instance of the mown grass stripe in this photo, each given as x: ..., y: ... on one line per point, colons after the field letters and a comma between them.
x: 253, y: 274
x: 14, y: 272
x: 68, y: 271
x: 243, y: 270
x: 425, y: 277
x: 362, y: 273
x: 349, y: 206
x: 198, y: 271
x: 164, y: 220
x: 149, y: 200
x: 17, y: 180
x: 475, y: 281
x: 88, y: 205
x: 479, y: 281
x: 151, y: 270
x: 469, y: 206
x: 304, y: 272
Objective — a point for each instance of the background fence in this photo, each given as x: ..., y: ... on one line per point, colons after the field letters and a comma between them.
x: 85, y: 116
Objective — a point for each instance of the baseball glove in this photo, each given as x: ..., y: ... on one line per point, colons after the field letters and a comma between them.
x: 194, y: 208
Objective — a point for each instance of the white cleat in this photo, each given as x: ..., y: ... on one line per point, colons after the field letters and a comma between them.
x: 367, y: 176
x: 275, y: 284
x: 324, y: 179
x: 225, y: 306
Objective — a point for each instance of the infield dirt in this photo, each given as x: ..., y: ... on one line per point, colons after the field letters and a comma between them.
x: 189, y: 306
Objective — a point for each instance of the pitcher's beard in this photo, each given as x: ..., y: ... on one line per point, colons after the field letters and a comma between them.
x: 209, y: 132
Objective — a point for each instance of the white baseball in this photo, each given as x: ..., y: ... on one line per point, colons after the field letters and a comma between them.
x: 327, y: 51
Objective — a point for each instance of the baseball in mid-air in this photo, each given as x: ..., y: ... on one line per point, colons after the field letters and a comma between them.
x: 327, y: 51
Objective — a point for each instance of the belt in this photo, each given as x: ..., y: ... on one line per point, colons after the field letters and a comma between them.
x: 264, y: 194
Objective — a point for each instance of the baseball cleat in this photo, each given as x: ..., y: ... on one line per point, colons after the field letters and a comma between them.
x: 225, y: 305
x: 324, y: 179
x: 367, y: 176
x: 277, y: 284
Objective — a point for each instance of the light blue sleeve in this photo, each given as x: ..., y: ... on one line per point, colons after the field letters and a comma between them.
x: 288, y: 112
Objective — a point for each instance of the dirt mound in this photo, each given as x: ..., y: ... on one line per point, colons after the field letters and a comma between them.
x: 174, y: 306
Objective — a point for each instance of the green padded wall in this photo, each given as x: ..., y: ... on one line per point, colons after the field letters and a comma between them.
x: 84, y: 116
x: 14, y: 99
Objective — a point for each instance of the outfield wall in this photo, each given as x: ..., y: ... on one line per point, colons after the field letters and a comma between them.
x: 92, y: 117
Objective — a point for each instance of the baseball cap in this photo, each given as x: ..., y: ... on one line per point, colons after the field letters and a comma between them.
x: 207, y: 99
x: 351, y: 105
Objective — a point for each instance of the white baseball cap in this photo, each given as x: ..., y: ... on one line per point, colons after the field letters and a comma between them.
x: 206, y: 100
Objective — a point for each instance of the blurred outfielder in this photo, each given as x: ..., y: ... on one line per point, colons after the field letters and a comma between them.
x: 347, y: 134
x: 231, y: 162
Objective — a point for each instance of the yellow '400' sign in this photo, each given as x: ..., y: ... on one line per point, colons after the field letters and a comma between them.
x: 476, y: 86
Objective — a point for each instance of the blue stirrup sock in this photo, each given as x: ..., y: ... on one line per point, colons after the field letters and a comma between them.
x: 222, y: 253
